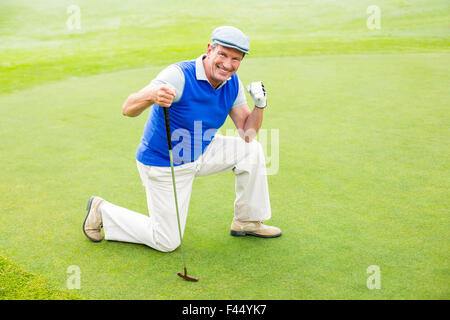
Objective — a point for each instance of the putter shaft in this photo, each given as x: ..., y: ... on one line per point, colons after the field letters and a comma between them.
x: 185, y: 276
x: 176, y: 206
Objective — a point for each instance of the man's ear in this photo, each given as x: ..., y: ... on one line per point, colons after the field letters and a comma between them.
x: 208, y: 49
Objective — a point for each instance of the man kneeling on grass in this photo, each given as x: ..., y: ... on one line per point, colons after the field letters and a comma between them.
x: 200, y: 94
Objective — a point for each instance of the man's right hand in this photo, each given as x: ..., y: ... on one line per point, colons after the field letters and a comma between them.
x: 136, y: 103
x: 163, y: 95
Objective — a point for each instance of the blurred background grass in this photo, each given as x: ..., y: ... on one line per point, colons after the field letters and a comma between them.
x: 36, y: 46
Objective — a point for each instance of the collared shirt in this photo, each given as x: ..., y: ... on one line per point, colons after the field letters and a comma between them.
x: 174, y: 76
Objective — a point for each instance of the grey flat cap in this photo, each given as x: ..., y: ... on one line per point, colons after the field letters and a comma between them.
x: 231, y: 37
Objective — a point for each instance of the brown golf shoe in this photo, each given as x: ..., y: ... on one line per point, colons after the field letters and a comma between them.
x: 253, y: 228
x: 92, y: 225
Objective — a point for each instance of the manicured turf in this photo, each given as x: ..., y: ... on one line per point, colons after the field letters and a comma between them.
x: 16, y: 284
x: 362, y: 118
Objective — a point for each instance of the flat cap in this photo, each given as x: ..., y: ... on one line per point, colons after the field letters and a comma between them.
x: 231, y: 37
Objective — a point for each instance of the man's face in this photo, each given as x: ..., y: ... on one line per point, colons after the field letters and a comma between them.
x: 221, y: 63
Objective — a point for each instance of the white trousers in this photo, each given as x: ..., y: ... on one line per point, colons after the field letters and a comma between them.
x: 159, y: 230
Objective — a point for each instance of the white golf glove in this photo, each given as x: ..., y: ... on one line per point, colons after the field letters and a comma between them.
x: 258, y: 93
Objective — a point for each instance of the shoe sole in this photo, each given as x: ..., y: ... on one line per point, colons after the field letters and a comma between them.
x: 88, y: 208
x: 246, y: 233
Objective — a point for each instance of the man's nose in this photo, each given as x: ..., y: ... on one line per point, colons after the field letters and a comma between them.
x: 227, y: 64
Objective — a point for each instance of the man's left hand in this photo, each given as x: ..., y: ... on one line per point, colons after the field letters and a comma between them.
x: 258, y: 93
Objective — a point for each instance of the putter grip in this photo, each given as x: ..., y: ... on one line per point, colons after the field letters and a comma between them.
x: 167, y: 122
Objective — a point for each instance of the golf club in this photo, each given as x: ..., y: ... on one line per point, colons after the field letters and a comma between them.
x: 184, y: 275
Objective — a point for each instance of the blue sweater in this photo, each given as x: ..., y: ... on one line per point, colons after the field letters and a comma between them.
x: 194, y: 120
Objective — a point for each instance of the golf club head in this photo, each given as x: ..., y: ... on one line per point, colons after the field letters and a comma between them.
x: 187, y: 277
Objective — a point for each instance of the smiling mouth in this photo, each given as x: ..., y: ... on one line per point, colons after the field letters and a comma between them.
x: 223, y: 70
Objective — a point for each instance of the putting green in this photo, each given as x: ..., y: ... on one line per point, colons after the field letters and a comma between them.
x: 362, y: 180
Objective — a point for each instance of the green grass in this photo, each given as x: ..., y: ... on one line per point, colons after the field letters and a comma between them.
x: 363, y: 152
x: 16, y: 284
x: 36, y: 46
